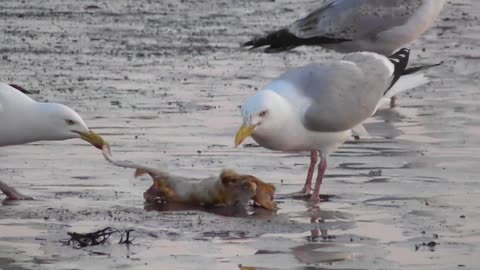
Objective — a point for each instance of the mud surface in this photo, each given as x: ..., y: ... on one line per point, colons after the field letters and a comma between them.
x: 161, y: 80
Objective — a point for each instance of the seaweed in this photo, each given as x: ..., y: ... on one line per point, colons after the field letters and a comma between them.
x: 100, y: 237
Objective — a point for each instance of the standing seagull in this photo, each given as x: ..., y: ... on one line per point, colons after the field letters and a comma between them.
x: 381, y: 26
x: 23, y: 120
x: 314, y: 107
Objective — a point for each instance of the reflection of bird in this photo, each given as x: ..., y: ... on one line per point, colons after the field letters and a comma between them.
x: 357, y: 25
x: 23, y: 120
x: 314, y: 107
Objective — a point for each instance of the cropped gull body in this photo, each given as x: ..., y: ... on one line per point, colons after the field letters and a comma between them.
x: 381, y: 26
x: 315, y: 107
x: 23, y: 120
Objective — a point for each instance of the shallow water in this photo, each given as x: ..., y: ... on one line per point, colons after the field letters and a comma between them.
x: 162, y: 82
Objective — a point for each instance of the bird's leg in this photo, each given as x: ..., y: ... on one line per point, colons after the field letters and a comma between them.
x: 313, y: 162
x: 12, y: 194
x: 322, y: 167
x: 305, y: 192
x: 393, y: 103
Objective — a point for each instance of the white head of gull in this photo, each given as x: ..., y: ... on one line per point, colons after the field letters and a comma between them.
x: 23, y: 120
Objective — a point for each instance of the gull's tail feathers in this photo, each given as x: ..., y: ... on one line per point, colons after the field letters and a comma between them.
x: 403, y: 84
x: 408, y: 80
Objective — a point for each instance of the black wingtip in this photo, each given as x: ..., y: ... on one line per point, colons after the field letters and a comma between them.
x: 21, y: 89
x: 400, y: 57
x: 277, y: 41
x: 248, y: 43
x: 400, y: 63
x: 282, y: 40
x: 423, y: 67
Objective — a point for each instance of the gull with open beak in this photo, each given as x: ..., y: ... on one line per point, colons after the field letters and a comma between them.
x: 23, y: 120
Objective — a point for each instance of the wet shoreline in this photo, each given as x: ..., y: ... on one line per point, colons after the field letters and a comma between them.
x: 162, y: 82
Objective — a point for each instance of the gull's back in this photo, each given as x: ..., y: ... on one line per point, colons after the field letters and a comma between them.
x: 349, y: 90
x: 15, y: 108
x: 372, y: 25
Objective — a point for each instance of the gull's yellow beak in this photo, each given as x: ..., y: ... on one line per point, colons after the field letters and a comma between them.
x: 93, y: 138
x: 244, y: 132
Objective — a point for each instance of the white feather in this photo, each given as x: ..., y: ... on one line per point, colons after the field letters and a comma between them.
x: 403, y: 84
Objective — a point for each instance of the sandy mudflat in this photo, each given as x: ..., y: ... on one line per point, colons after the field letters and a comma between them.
x: 161, y: 80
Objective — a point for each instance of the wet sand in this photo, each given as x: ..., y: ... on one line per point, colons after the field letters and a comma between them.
x: 162, y: 82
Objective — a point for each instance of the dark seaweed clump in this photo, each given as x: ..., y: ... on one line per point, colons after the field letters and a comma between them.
x: 100, y: 237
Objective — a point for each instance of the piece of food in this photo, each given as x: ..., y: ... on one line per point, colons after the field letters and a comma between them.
x: 264, y: 193
x: 228, y: 188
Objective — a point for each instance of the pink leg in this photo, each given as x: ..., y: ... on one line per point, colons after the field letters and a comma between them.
x: 12, y: 194
x: 393, y: 102
x: 322, y: 167
x: 313, y: 162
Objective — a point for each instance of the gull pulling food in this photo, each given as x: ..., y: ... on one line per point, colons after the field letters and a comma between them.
x: 381, y: 26
x: 23, y: 120
x: 315, y: 107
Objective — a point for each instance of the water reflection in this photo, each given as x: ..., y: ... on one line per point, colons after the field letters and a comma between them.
x: 227, y: 211
x: 320, y: 247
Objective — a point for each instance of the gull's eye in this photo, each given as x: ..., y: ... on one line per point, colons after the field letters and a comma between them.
x: 70, y: 122
x: 262, y: 113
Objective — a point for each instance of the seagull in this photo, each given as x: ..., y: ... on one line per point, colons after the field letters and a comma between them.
x: 315, y: 107
x: 23, y: 120
x: 380, y: 26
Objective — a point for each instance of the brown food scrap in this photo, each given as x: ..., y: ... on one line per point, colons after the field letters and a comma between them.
x: 228, y: 188
x: 231, y: 188
x: 264, y: 191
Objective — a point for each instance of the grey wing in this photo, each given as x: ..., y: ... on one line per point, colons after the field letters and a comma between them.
x: 341, y: 93
x: 351, y: 19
